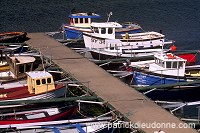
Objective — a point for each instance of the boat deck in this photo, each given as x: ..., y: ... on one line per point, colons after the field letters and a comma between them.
x: 133, y: 105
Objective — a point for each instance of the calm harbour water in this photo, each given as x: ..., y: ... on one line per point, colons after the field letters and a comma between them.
x: 179, y: 20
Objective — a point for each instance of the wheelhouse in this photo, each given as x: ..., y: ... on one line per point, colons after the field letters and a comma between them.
x: 39, y: 82
x: 19, y: 65
x: 105, y: 30
x: 82, y: 19
x: 168, y: 64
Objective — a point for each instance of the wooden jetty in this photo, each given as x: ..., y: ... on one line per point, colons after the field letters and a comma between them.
x: 134, y: 106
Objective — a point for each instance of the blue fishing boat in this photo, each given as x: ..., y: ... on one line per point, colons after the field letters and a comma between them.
x: 167, y: 68
x: 80, y: 22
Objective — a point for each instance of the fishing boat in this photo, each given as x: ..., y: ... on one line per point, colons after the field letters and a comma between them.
x: 37, y: 115
x: 104, y: 36
x: 80, y: 22
x: 13, y: 37
x: 40, y: 85
x: 167, y: 68
x: 18, y: 66
x: 86, y: 125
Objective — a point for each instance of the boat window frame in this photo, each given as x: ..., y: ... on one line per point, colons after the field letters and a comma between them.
x: 96, y: 29
x: 49, y: 80
x: 176, y: 64
x: 104, y: 30
x: 168, y: 65
x: 180, y: 64
x: 28, y: 67
x: 81, y: 20
x: 86, y: 20
x: 38, y: 82
x: 71, y: 20
x: 111, y: 47
x: 110, y: 30
x: 21, y: 68
x: 76, y: 20
x: 43, y: 81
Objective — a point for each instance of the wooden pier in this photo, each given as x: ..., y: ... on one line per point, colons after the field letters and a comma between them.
x: 133, y: 105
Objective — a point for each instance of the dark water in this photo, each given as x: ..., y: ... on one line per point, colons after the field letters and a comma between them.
x: 179, y: 20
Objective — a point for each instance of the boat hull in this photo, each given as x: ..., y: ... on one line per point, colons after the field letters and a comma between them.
x: 75, y: 33
x: 144, y: 79
x: 103, y: 54
x: 66, y: 113
x: 21, y: 93
x: 92, y: 41
x: 13, y: 37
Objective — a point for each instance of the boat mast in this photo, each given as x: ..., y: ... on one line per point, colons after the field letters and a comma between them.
x: 110, y: 14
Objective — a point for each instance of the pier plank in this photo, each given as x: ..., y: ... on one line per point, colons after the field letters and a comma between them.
x: 132, y: 104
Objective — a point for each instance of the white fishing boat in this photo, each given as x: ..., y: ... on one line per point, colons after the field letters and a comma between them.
x: 104, y: 36
x: 86, y: 125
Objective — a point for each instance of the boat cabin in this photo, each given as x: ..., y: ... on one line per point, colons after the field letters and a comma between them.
x: 106, y: 29
x: 39, y: 82
x: 19, y: 65
x: 82, y: 19
x: 168, y: 64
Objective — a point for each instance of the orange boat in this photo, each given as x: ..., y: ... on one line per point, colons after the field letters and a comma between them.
x: 13, y: 37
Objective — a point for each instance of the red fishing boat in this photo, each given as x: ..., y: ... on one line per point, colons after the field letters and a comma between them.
x: 40, y: 85
x: 38, y: 115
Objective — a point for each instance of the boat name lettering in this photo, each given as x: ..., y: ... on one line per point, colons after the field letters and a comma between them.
x: 98, y: 40
x: 3, y: 95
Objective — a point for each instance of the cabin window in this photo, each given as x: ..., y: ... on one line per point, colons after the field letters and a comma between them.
x: 71, y: 20
x: 110, y: 30
x: 43, y: 81
x: 103, y: 30
x: 96, y: 30
x: 28, y: 67
x: 111, y: 47
x: 168, y: 64
x: 76, y: 20
x: 86, y: 20
x: 48, y: 80
x: 21, y: 68
x: 180, y: 64
x: 37, y: 82
x: 174, y: 65
x: 81, y: 20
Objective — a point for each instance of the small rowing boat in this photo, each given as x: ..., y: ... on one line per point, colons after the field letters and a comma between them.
x: 13, y: 37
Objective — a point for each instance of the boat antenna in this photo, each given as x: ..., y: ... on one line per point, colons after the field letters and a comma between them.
x: 110, y: 14
x: 42, y: 59
x: 162, y: 45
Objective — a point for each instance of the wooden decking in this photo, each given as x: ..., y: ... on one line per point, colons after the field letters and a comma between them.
x: 135, y: 106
